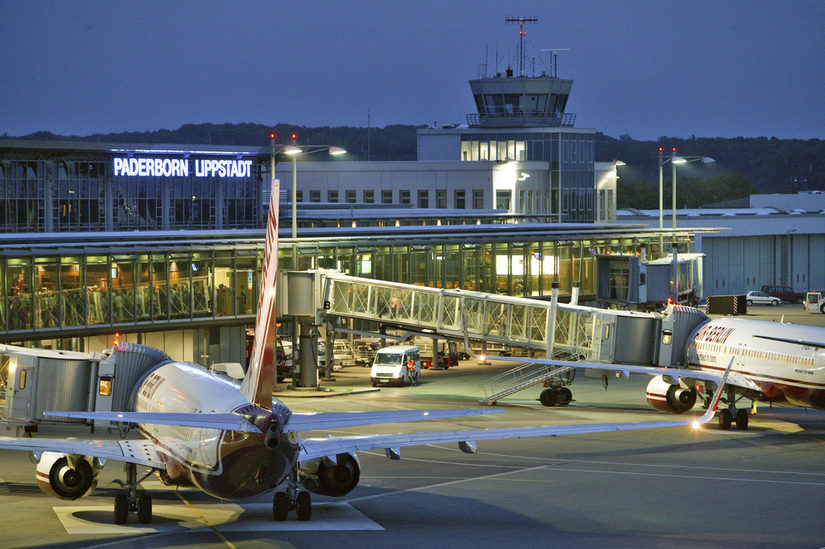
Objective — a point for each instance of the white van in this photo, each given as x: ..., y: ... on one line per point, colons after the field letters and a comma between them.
x: 399, y: 364
x: 814, y: 302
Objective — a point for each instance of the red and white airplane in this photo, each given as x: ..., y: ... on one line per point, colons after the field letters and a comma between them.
x: 773, y: 362
x: 236, y: 442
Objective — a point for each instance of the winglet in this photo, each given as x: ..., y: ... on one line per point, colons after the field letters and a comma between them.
x: 258, y: 384
x: 716, y: 396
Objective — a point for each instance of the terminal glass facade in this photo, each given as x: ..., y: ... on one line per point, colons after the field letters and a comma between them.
x: 78, y: 290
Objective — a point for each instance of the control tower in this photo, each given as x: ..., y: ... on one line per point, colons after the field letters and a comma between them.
x: 521, y: 101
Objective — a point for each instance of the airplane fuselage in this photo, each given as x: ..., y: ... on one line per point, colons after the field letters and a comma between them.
x: 785, y: 361
x: 224, y: 464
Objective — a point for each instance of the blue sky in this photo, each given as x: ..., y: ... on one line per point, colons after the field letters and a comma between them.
x: 644, y: 68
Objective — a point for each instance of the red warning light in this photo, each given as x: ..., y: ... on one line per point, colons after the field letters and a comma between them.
x: 674, y: 149
x: 294, y: 136
x: 273, y: 136
x: 117, y: 337
x: 661, y: 149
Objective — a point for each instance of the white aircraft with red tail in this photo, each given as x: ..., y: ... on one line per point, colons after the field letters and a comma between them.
x: 236, y: 442
x: 773, y: 362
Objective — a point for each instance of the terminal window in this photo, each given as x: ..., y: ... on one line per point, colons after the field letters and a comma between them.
x: 441, y: 198
x: 404, y: 197
x: 314, y: 196
x: 386, y: 197
x: 423, y: 198
x: 478, y: 199
x: 332, y: 196
x: 503, y: 200
x: 369, y: 197
x: 459, y: 199
x: 351, y: 199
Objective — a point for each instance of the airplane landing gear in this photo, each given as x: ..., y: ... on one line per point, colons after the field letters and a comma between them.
x: 293, y: 498
x: 731, y: 414
x: 556, y: 396
x: 132, y: 502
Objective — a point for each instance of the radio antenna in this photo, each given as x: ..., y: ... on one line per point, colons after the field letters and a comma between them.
x: 521, y: 34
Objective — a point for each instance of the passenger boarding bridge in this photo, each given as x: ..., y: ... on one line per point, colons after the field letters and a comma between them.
x: 556, y: 330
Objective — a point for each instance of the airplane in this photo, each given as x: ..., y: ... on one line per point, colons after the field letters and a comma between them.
x: 237, y: 441
x: 774, y: 362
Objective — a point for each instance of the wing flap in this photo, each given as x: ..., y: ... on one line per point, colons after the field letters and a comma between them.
x: 334, y: 420
x: 141, y: 452
x: 224, y: 422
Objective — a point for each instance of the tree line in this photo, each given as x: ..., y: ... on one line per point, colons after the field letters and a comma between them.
x: 743, y: 165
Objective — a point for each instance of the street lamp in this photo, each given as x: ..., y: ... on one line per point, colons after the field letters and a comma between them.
x: 293, y: 152
x: 673, y: 159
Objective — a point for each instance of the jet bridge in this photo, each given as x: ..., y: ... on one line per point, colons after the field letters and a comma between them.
x: 556, y: 330
x: 33, y: 381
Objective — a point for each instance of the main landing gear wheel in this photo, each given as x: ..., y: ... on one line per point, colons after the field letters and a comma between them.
x: 741, y: 419
x: 144, y: 508
x: 282, y: 504
x: 725, y: 418
x: 130, y: 501
x: 121, y: 509
x: 303, y: 505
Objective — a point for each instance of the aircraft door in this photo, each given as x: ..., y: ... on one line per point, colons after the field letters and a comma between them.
x: 19, y: 390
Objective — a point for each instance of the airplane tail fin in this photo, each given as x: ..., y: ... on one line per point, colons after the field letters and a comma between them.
x: 258, y: 384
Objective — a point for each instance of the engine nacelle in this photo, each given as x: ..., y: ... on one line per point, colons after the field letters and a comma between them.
x: 331, y: 479
x: 67, y: 476
x: 669, y: 398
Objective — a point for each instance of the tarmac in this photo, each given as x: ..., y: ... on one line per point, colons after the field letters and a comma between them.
x: 671, y: 487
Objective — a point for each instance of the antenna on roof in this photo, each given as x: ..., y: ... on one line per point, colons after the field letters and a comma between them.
x: 554, y: 62
x: 521, y: 32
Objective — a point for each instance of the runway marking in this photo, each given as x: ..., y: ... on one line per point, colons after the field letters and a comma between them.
x: 253, y: 517
x: 204, y: 519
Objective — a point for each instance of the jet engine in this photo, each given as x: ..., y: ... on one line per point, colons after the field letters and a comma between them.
x: 331, y: 476
x: 670, y: 398
x: 67, y: 476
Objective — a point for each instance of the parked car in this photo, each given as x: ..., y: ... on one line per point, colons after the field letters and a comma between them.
x: 761, y: 298
x: 785, y: 293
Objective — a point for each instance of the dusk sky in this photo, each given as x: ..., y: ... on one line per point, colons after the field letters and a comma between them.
x: 645, y: 68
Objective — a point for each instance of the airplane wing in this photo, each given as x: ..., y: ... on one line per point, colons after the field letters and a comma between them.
x: 141, y: 452
x: 313, y: 448
x: 225, y: 422
x: 621, y: 369
x: 333, y: 420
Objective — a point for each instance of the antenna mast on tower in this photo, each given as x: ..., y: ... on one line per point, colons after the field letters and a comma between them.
x: 522, y: 33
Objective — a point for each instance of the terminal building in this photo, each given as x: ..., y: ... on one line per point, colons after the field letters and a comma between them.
x: 162, y: 244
